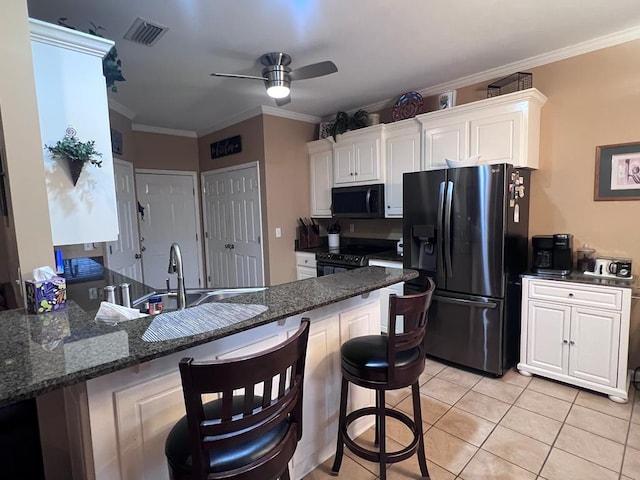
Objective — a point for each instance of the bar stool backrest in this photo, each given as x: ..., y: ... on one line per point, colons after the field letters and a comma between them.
x: 278, y: 372
x: 413, y: 309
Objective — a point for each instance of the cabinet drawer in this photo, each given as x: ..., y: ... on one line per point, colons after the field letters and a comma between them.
x: 577, y: 294
x: 306, y: 259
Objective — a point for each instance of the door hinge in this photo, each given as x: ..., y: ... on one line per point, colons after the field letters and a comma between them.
x: 258, y: 239
x: 209, y: 278
x: 206, y: 234
x: 196, y: 237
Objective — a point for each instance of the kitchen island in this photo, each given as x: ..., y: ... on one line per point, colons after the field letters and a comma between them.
x: 122, y: 394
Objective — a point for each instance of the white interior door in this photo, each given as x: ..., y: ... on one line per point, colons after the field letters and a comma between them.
x: 233, y: 226
x: 246, y: 228
x: 123, y: 255
x: 215, y: 201
x: 170, y: 215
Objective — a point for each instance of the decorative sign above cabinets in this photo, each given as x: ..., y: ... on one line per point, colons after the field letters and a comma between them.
x: 228, y: 146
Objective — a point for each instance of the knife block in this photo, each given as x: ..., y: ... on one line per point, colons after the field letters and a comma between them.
x: 309, y: 239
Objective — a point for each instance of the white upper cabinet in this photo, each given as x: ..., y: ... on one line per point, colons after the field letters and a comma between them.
x: 402, y: 156
x: 321, y: 165
x: 444, y: 138
x: 71, y: 92
x: 504, y: 129
x: 358, y: 156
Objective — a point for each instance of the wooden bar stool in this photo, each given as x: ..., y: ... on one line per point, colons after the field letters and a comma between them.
x: 241, y: 435
x: 387, y: 362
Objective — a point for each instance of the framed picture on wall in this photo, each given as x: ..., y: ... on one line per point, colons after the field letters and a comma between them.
x: 447, y: 100
x: 116, y: 141
x: 617, y: 172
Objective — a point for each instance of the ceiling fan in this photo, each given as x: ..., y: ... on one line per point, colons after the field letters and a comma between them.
x: 277, y: 75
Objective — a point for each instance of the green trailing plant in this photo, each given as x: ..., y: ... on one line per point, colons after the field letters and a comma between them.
x: 76, y: 153
x: 111, y: 64
x: 344, y: 122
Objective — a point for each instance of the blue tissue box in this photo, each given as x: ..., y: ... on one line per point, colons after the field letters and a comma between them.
x: 46, y: 295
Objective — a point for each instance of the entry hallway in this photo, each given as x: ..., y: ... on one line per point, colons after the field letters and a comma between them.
x: 512, y: 428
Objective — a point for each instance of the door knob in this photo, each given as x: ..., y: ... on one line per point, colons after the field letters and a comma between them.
x: 138, y: 256
x: 232, y: 246
x: 143, y: 249
x: 142, y: 239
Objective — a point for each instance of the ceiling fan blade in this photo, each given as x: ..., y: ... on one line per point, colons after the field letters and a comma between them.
x: 314, y: 70
x: 235, y: 75
x: 283, y: 101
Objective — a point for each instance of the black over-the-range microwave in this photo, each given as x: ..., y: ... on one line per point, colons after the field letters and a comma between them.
x: 360, y: 201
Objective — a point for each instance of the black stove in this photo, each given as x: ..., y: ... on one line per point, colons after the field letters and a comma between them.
x: 349, y: 256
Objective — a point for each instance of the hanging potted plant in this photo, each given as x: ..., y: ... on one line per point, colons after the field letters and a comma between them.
x: 76, y: 153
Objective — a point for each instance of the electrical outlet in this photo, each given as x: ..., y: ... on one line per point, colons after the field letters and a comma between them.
x: 93, y: 293
x: 88, y: 247
x: 351, y: 227
x: 278, y: 232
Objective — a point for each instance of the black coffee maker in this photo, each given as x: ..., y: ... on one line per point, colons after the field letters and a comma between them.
x: 552, y: 254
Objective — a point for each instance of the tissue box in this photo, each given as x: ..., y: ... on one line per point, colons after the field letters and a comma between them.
x: 46, y: 295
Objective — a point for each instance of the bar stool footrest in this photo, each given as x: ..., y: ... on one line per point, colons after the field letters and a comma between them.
x: 374, y: 456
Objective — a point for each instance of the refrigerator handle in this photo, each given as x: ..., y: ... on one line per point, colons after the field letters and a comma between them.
x: 440, y: 233
x: 447, y: 229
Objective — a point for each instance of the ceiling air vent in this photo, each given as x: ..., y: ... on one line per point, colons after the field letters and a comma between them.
x: 145, y: 32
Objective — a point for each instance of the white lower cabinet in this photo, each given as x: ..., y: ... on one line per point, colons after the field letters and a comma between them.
x: 306, y: 265
x: 130, y: 412
x: 576, y: 333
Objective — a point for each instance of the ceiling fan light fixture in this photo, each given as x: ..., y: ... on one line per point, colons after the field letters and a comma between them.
x: 278, y: 91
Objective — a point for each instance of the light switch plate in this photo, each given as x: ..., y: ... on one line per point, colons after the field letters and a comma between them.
x: 278, y: 232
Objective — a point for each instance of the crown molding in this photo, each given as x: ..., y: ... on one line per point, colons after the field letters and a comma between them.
x: 254, y: 112
x: 232, y: 120
x: 62, y: 37
x: 588, y: 46
x: 301, y: 117
x: 136, y: 127
x: 121, y: 109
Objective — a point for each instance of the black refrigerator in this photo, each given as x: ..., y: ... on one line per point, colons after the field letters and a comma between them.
x: 467, y: 229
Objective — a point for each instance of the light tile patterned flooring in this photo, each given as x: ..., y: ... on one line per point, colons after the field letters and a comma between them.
x: 512, y: 428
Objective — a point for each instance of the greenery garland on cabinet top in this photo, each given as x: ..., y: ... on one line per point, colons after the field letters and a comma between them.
x: 344, y: 122
x: 111, y: 64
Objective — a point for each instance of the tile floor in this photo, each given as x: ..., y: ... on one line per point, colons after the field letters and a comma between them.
x: 511, y: 428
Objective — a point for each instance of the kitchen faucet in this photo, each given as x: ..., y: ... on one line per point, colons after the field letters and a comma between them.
x: 175, y: 266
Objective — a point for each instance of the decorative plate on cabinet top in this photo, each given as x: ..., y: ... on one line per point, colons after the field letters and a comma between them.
x: 408, y: 105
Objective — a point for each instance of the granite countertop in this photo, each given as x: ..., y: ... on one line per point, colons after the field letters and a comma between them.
x: 588, y: 279
x: 39, y: 353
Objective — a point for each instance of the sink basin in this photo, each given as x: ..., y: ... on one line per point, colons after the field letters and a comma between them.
x: 197, y: 297
x: 216, y: 295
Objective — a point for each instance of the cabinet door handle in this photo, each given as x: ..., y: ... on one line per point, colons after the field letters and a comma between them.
x: 571, y: 294
x: 571, y: 342
x: 565, y: 341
